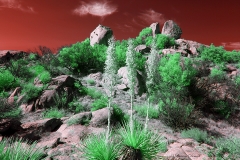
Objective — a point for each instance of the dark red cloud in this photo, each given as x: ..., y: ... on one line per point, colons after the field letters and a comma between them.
x: 27, y: 24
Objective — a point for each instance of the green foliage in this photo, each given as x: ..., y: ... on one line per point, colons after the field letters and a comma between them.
x: 175, y: 74
x: 94, y: 93
x: 16, y: 151
x: 54, y: 113
x: 32, y: 57
x: 121, y: 49
x: 76, y: 106
x: 81, y: 89
x: 82, y: 56
x: 7, y: 80
x: 118, y: 115
x: 41, y: 73
x: 153, y: 112
x: 175, y: 113
x: 145, y: 144
x: 60, y: 100
x: 196, y: 134
x: 8, y: 110
x: 217, y: 74
x: 91, y: 81
x: 20, y: 68
x: 96, y: 148
x: 85, y: 120
x: 219, y: 55
x: 226, y: 148
x: 222, y: 108
x: 237, y: 80
x: 99, y: 103
x: 162, y: 41
x: 140, y: 39
x: 31, y: 91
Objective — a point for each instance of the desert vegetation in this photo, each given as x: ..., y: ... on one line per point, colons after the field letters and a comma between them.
x: 174, y: 94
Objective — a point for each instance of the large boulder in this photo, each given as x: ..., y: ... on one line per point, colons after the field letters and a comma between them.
x: 188, y: 45
x: 140, y: 87
x: 142, y: 49
x: 100, y: 35
x: 170, y: 28
x: 155, y: 28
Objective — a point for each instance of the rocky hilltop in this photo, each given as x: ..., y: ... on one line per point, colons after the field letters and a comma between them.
x: 58, y: 100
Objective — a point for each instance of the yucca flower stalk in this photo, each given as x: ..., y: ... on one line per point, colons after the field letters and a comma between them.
x: 110, y: 72
x: 132, y: 73
x: 152, y: 72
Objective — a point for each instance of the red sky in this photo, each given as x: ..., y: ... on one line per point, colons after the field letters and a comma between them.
x: 26, y: 24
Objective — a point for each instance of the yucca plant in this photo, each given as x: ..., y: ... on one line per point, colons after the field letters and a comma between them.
x: 152, y: 74
x: 95, y: 147
x: 16, y: 151
x: 110, y: 77
x: 140, y: 145
x: 132, y: 73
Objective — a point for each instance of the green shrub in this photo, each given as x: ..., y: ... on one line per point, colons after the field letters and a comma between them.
x: 7, y: 80
x: 76, y: 106
x: 173, y: 73
x: 16, y: 151
x: 153, y: 112
x: 99, y: 103
x: 32, y: 56
x: 41, y: 73
x: 226, y: 148
x: 83, y: 121
x: 162, y: 41
x: 81, y: 57
x: 54, y: 113
x: 20, y: 68
x: 219, y: 55
x: 222, y: 108
x: 81, y: 89
x: 91, y: 81
x: 31, y: 91
x: 8, y: 110
x: 118, y: 115
x: 196, y: 134
x: 94, y: 93
x: 217, y: 74
x: 175, y: 113
x: 121, y: 49
x: 140, y: 39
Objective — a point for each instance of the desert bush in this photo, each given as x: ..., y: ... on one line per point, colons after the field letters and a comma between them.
x: 219, y: 54
x: 91, y: 81
x: 81, y: 57
x: 99, y: 103
x: 175, y: 113
x: 40, y: 72
x: 31, y: 91
x: 76, y: 106
x: 53, y: 113
x: 94, y: 93
x: 82, y: 90
x: 83, y: 121
x: 118, y: 115
x: 7, y: 80
x: 196, y: 134
x: 140, y: 39
x: 217, y: 75
x: 222, y: 108
x: 176, y: 72
x: 226, y: 148
x: 153, y: 112
x: 8, y: 110
x: 162, y: 41
x: 20, y: 68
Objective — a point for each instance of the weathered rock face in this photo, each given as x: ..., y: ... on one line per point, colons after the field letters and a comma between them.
x: 6, y: 55
x: 188, y: 45
x: 155, y: 28
x: 140, y: 87
x: 142, y: 49
x: 100, y: 35
x: 171, y: 29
